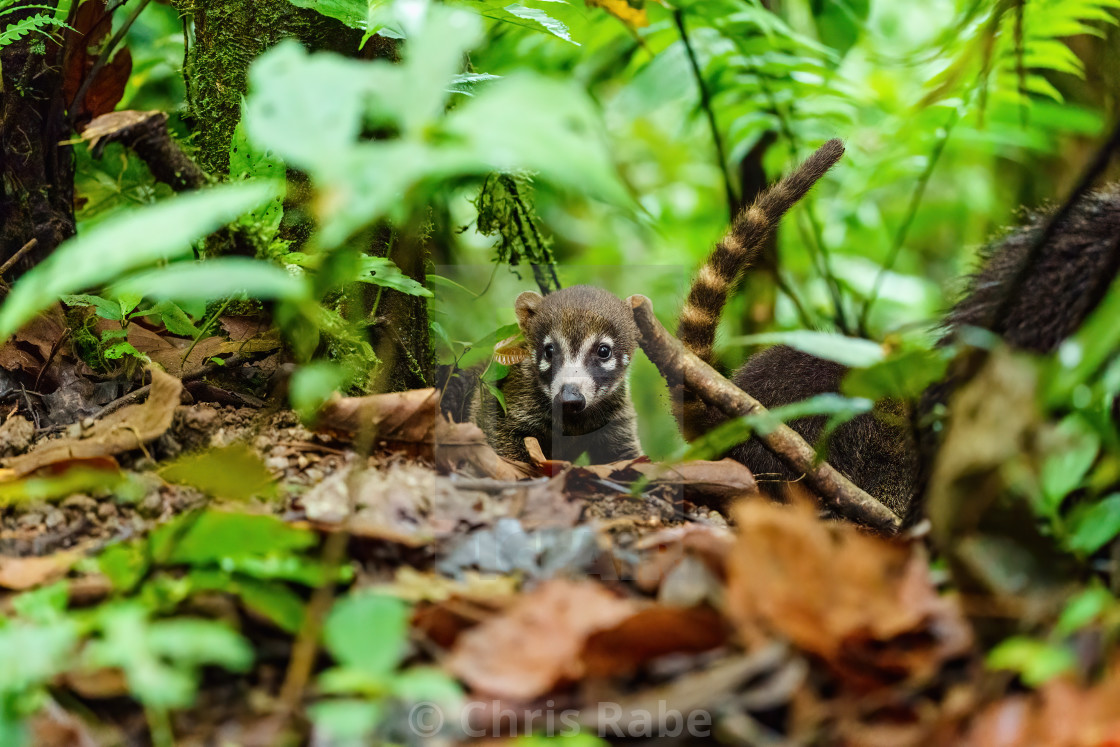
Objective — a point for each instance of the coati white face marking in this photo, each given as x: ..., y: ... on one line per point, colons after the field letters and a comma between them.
x: 582, y: 339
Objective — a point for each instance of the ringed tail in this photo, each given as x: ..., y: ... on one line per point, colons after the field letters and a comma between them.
x: 735, y: 252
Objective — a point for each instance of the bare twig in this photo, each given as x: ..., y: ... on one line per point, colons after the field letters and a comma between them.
x: 31, y: 244
x: 682, y: 368
x: 103, y: 58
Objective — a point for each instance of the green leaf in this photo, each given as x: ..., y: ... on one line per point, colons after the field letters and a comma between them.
x: 497, y: 394
x: 346, y: 721
x: 853, y: 352
x: 213, y: 536
x: 1093, y: 525
x: 1035, y: 661
x: 384, y: 272
x: 122, y: 243
x: 1084, y: 608
x: 905, y: 375
x: 315, y: 383
x: 1065, y: 468
x: 210, y: 279
x: 353, y: 13
x: 553, y: 26
x: 235, y: 472
x: 367, y: 632
x: 174, y: 319
x: 105, y: 308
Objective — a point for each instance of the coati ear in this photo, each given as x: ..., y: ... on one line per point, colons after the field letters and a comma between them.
x: 526, y: 307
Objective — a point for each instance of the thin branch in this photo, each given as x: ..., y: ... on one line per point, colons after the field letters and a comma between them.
x: 706, y: 105
x: 31, y: 244
x: 103, y: 58
x: 680, y: 368
x: 908, y: 220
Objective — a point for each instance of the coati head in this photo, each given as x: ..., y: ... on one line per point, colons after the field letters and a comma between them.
x: 580, y: 342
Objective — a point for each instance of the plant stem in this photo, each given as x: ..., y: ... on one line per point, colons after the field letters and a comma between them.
x: 706, y: 105
x: 907, y: 221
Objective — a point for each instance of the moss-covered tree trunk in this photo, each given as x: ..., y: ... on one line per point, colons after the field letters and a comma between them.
x: 228, y: 36
x: 36, y: 172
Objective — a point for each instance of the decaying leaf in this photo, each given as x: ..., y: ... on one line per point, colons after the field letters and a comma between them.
x: 31, y: 347
x: 651, y: 632
x: 536, y: 644
x: 1060, y: 714
x: 864, y: 605
x: 83, y: 44
x: 29, y: 572
x: 400, y: 417
x: 126, y: 429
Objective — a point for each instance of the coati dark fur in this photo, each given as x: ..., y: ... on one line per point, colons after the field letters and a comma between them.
x: 571, y: 391
x: 878, y: 451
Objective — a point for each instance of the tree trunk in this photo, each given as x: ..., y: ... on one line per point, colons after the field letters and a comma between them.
x: 36, y: 172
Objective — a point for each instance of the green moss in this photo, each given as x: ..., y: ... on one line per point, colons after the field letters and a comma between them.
x: 228, y: 36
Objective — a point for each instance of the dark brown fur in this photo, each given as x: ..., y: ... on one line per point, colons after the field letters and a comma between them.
x: 878, y: 451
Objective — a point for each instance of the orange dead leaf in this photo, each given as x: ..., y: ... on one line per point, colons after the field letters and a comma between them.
x: 29, y: 572
x: 633, y: 16
x: 863, y: 604
x: 536, y: 644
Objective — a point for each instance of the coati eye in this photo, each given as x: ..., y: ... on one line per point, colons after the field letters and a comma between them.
x: 548, y: 350
x: 604, y: 351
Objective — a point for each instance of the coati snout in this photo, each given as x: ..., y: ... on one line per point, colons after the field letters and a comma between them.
x: 580, y: 340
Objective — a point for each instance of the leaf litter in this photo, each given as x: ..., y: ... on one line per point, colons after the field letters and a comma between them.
x: 641, y: 585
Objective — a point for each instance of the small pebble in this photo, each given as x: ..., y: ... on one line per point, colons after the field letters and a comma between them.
x: 106, y: 509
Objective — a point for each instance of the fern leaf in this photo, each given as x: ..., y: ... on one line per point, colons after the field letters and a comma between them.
x: 18, y: 30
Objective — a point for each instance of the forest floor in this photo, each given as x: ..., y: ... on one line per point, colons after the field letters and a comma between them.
x: 627, y: 600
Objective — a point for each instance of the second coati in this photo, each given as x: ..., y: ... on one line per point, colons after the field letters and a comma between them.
x: 570, y: 390
x: 878, y: 451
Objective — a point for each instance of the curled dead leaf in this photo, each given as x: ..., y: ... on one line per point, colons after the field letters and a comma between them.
x: 123, y: 430
x: 863, y: 604
x: 28, y: 572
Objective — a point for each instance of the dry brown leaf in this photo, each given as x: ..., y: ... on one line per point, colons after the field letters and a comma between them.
x: 29, y: 349
x: 112, y: 125
x: 171, y: 352
x: 244, y: 327
x: 404, y: 417
x: 651, y: 632
x: 1060, y: 714
x: 83, y: 43
x: 536, y: 644
x: 28, y: 572
x: 666, y: 549
x: 707, y: 483
x: 863, y: 604
x: 126, y: 429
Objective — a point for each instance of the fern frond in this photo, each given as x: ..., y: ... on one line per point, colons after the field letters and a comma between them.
x: 35, y: 23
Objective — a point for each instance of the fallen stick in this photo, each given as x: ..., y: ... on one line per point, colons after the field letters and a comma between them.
x: 677, y: 365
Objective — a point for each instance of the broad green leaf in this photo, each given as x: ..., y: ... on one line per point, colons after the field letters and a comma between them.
x: 853, y: 352
x: 367, y: 632
x: 215, y: 278
x: 1093, y: 525
x: 134, y: 239
x: 553, y: 26
x: 174, y: 318
x: 249, y: 162
x: 106, y: 308
x: 31, y: 654
x: 212, y: 536
x: 235, y: 472
x: 351, y: 12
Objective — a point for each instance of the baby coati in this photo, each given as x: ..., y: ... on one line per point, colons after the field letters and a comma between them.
x: 878, y: 451
x: 570, y: 390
